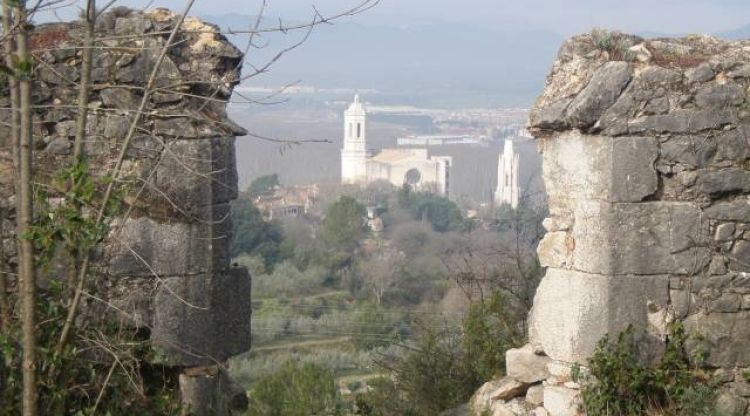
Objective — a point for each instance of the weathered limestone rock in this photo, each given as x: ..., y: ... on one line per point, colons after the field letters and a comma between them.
x: 535, y: 395
x: 482, y: 399
x: 147, y: 247
x: 574, y: 310
x: 740, y: 258
x: 556, y: 249
x: 508, y: 388
x: 646, y: 164
x: 524, y: 365
x: 561, y: 401
x: 208, y: 390
x: 728, y: 404
x: 639, y: 238
x: 601, y: 92
x: 202, y: 319
x: 723, y: 338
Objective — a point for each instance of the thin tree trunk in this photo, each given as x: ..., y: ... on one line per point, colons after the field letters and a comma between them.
x: 85, y: 85
x: 25, y: 215
x: 78, y: 145
x: 4, y: 306
x: 15, y: 126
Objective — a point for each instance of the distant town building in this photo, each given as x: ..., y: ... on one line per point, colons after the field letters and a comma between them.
x: 440, y: 140
x: 288, y: 201
x: 374, y: 222
x: 397, y: 166
x: 508, y: 191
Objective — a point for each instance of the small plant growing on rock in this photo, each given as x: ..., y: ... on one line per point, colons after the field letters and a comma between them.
x: 616, y: 45
x: 603, y: 39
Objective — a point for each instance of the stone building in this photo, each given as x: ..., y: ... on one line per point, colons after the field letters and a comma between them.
x: 507, y: 191
x: 287, y: 201
x: 399, y: 166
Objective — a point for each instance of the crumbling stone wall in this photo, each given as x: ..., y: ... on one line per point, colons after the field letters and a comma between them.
x: 165, y: 265
x: 646, y: 161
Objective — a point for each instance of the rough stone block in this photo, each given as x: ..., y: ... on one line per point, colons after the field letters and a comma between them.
x: 736, y: 210
x: 680, y: 301
x: 572, y: 170
x: 683, y: 121
x: 540, y: 411
x: 692, y: 151
x: 633, y: 176
x: 551, y: 116
x: 203, y: 319
x: 209, y: 391
x: 721, y: 337
x: 728, y: 404
x: 561, y: 401
x: 508, y: 388
x: 720, y: 95
x: 524, y: 365
x: 535, y: 395
x: 724, y: 181
x: 195, y: 173
x: 145, y: 247
x: 739, y: 261
x: 601, y: 92
x: 725, y: 232
x: 577, y: 167
x: 574, y: 310
x: 556, y: 249
x: 482, y: 398
x: 133, y: 300
x: 645, y: 239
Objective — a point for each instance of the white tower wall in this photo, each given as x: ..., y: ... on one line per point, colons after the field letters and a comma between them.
x: 354, y: 152
x: 508, y: 191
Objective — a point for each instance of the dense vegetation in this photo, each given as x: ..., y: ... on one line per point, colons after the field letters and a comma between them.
x: 618, y: 385
x: 420, y: 313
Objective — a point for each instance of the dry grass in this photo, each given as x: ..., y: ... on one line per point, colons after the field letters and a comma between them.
x: 674, y: 60
x: 49, y: 38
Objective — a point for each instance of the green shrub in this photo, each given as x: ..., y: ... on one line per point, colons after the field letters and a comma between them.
x: 383, y: 399
x: 296, y: 390
x: 442, y: 213
x: 376, y: 328
x: 620, y: 386
x: 253, y: 235
x: 491, y: 328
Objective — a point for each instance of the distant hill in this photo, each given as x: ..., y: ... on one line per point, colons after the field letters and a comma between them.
x: 736, y: 34
x: 435, y: 60
x: 432, y: 64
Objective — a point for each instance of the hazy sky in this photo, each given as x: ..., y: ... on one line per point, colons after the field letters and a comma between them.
x: 562, y: 16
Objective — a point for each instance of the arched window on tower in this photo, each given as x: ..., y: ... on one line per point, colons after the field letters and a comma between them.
x: 359, y: 130
x: 350, y: 129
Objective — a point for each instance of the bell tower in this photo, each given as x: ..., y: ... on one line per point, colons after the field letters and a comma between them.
x: 354, y: 152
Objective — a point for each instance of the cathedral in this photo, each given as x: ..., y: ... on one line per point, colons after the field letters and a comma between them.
x: 508, y: 191
x: 399, y: 166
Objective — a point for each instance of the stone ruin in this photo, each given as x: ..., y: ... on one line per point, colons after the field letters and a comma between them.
x: 165, y: 265
x: 646, y: 161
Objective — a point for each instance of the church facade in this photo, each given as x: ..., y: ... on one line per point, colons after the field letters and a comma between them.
x: 399, y: 166
x: 508, y: 191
